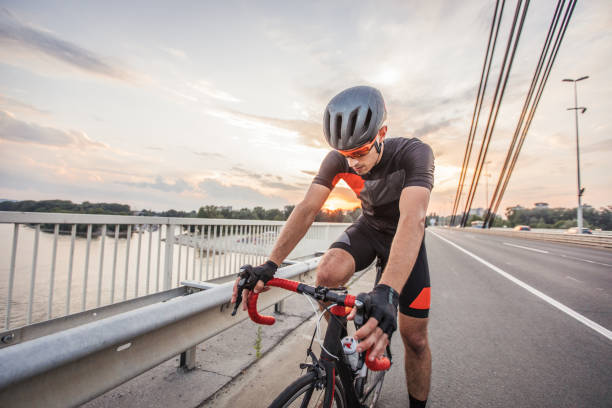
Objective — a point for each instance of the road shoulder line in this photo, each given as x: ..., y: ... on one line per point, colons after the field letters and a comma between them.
x: 587, y: 322
x: 527, y: 248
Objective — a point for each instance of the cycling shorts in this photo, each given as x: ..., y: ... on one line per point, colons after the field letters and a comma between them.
x: 365, y: 243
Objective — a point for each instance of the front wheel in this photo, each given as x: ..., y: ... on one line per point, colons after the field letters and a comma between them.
x: 309, y: 391
x: 368, y: 387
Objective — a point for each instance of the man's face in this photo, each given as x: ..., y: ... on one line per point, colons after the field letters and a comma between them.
x: 362, y: 165
x: 363, y: 160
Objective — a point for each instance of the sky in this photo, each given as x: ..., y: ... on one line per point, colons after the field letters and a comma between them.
x: 182, y: 104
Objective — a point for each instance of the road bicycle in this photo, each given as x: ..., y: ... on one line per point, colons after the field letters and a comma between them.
x: 339, y: 377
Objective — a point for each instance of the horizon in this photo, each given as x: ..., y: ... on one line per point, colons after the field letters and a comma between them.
x: 97, y: 105
x: 325, y: 209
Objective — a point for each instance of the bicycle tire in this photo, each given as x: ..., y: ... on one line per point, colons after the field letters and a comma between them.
x: 303, y: 393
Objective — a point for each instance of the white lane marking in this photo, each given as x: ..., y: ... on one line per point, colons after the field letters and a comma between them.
x: 585, y: 260
x: 587, y: 322
x: 574, y: 279
x: 527, y: 248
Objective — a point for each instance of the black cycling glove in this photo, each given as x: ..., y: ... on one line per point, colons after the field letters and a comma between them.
x: 383, y: 301
x: 263, y: 272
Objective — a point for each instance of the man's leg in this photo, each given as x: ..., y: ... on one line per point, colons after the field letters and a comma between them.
x: 417, y: 355
x: 336, y: 268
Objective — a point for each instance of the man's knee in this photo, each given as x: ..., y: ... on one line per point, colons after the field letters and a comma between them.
x: 414, y: 333
x: 335, y: 268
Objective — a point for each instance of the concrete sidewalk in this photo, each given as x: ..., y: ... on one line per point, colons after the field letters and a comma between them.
x: 228, y: 371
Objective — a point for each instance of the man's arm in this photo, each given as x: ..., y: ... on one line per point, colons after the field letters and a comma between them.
x: 404, y: 251
x: 407, y: 241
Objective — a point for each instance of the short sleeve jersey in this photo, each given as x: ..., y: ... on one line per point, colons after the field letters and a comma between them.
x: 405, y: 162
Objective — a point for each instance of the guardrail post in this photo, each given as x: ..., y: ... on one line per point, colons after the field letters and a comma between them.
x: 169, y: 256
x: 188, y: 359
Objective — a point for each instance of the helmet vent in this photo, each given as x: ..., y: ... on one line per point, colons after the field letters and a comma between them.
x: 326, y: 120
x: 352, y: 122
x: 338, y: 126
x: 368, y: 118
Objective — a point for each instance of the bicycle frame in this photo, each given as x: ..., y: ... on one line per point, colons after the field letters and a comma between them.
x: 331, y: 360
x: 336, y: 330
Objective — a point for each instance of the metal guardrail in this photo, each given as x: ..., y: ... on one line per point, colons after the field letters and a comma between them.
x: 595, y: 241
x: 74, y: 365
x: 59, y: 263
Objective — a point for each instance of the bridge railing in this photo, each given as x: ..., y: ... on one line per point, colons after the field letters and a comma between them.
x: 79, y: 360
x: 56, y: 264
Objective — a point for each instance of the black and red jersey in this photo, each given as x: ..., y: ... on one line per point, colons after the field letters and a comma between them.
x: 405, y: 162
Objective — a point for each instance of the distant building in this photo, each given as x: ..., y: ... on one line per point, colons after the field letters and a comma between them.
x: 541, y: 205
x: 477, y: 211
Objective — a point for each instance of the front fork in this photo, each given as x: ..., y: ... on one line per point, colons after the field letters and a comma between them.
x: 332, y: 360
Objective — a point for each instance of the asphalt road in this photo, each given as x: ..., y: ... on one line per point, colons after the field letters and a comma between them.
x: 497, y: 344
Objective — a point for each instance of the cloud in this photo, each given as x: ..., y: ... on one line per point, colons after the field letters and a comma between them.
x: 309, y: 132
x: 174, y: 52
x: 268, y: 180
x: 598, y: 147
x: 206, y: 88
x: 14, y: 105
x: 238, y: 196
x: 286, y: 186
x: 429, y: 128
x: 15, y: 33
x: 209, y: 155
x: 14, y: 130
x: 178, y: 186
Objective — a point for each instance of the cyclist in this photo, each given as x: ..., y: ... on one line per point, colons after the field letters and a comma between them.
x: 393, y: 179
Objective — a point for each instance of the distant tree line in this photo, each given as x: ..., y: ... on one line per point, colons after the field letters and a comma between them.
x: 65, y: 206
x: 208, y: 211
x: 539, y: 217
x: 560, y: 217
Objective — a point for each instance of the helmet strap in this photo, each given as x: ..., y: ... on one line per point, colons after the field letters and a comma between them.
x: 377, y: 146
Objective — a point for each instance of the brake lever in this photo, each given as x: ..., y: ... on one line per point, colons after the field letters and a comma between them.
x: 240, y: 287
x: 359, y: 319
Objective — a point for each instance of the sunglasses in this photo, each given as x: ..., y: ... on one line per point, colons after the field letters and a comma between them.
x: 358, y: 152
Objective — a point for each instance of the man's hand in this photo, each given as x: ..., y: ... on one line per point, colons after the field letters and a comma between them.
x: 256, y: 279
x: 381, y: 306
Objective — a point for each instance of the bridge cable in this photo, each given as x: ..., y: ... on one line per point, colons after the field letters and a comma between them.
x: 505, y: 69
x: 484, y: 78
x: 536, y: 77
x: 560, y: 35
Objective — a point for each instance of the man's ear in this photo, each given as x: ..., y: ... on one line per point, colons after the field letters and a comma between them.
x: 382, y: 133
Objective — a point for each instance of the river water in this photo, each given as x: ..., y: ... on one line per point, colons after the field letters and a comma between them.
x: 91, y: 286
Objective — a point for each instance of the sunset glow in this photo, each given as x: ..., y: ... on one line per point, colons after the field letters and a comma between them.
x: 337, y: 203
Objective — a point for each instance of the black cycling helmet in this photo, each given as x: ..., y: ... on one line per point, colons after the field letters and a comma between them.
x: 353, y: 117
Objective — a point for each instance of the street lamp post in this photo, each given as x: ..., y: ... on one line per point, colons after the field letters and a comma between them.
x: 576, y: 108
